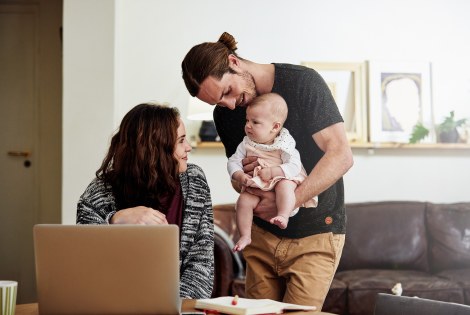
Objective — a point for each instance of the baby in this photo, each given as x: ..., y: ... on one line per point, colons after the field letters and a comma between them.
x: 280, y: 168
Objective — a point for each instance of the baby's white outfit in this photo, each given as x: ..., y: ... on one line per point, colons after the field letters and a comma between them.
x: 281, y: 153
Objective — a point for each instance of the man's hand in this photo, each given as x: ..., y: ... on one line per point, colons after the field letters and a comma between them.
x: 139, y: 215
x: 249, y: 164
x: 241, y: 177
x: 266, y: 208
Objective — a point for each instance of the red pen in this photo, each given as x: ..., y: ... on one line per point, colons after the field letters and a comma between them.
x: 235, y: 300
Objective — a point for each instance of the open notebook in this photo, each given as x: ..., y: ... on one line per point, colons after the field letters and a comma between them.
x: 107, y: 269
x: 242, y: 306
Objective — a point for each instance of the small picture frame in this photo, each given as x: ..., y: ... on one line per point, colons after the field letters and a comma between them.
x: 346, y: 81
x: 399, y: 98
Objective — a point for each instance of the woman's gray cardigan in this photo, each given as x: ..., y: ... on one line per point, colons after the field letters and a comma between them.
x: 97, y: 205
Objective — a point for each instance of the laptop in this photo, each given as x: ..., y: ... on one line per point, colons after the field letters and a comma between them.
x: 107, y: 269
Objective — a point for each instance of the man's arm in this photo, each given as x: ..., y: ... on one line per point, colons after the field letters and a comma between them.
x: 336, y: 161
x: 235, y: 163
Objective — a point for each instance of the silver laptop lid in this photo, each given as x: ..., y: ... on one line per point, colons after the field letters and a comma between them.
x: 107, y: 269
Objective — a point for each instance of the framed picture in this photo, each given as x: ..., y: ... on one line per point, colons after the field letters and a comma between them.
x: 399, y: 98
x: 346, y: 81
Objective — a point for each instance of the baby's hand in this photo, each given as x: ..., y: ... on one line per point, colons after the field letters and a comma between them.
x: 265, y: 174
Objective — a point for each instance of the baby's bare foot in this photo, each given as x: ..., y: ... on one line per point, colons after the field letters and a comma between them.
x: 280, y: 221
x: 243, y: 242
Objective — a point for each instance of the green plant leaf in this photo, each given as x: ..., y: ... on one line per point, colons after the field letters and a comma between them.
x: 419, y: 133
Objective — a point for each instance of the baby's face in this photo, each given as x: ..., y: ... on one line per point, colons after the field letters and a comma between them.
x: 259, y: 125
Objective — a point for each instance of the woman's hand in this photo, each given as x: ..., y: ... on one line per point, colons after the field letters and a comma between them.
x: 266, y: 208
x: 139, y: 215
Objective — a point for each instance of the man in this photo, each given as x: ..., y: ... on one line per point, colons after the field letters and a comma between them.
x: 297, y: 264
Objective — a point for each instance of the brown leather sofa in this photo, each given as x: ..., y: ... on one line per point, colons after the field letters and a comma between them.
x: 422, y: 245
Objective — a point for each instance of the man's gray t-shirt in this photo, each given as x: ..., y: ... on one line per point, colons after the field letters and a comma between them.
x: 311, y: 109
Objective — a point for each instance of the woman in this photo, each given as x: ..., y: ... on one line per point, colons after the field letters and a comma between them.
x: 145, y: 179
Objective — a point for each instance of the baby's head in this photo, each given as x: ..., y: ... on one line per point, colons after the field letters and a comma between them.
x: 265, y: 117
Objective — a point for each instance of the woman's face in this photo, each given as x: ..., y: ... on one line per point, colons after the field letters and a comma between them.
x: 182, y: 148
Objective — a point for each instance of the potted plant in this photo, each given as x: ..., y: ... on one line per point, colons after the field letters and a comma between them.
x: 447, y: 130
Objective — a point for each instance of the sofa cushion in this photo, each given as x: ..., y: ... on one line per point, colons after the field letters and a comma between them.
x: 385, y: 235
x: 365, y: 284
x: 449, y: 233
x: 460, y: 276
x: 336, y: 299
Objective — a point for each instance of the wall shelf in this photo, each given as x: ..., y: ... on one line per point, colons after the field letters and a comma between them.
x: 419, y: 146
x: 209, y: 145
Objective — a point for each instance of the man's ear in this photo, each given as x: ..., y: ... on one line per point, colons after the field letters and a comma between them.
x: 233, y: 61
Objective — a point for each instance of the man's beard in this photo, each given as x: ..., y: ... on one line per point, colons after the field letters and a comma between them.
x: 250, y: 87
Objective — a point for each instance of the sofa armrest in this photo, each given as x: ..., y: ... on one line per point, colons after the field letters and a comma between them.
x: 239, y: 270
x: 228, y: 265
x: 223, y: 268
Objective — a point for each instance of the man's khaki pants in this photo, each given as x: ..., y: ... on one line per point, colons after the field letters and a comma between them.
x: 296, y: 271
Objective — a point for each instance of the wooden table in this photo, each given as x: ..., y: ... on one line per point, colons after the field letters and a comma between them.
x: 187, y: 306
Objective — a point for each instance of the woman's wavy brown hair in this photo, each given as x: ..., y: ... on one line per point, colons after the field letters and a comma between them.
x: 140, y: 165
x: 208, y: 59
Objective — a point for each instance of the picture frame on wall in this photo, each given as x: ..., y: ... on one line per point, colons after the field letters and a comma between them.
x: 399, y: 98
x: 347, y: 84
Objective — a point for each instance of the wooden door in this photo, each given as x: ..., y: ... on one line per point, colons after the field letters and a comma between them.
x: 27, y: 141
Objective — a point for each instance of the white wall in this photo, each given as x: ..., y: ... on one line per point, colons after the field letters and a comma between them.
x: 132, y: 51
x: 88, y: 95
